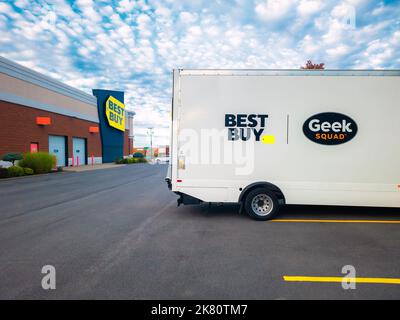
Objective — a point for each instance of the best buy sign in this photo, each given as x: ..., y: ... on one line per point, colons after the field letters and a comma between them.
x: 115, y: 113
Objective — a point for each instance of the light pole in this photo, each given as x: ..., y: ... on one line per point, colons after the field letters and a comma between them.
x: 151, y: 132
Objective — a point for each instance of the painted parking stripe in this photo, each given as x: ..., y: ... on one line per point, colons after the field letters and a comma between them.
x: 340, y: 279
x: 336, y: 221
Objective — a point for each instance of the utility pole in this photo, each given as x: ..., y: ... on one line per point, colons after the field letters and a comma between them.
x: 151, y: 132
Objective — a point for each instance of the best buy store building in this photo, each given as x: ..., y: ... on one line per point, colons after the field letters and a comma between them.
x: 38, y: 113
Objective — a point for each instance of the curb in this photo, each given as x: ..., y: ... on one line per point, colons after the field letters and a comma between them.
x: 92, y: 169
x: 29, y: 176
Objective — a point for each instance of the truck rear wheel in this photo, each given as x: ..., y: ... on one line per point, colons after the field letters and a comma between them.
x: 261, y: 204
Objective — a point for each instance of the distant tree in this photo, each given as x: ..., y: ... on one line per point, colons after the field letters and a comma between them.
x: 310, y: 65
x: 138, y: 154
x: 12, y: 157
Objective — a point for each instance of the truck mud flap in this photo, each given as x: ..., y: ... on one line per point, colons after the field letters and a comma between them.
x: 169, y: 184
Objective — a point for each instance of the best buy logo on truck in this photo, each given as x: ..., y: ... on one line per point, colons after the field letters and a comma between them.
x: 330, y: 128
x: 244, y: 126
x: 115, y: 113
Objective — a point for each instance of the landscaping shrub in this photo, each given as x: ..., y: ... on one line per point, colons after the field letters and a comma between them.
x: 28, y: 171
x: 3, y: 173
x: 12, y: 157
x: 15, y: 171
x: 39, y: 162
x: 130, y: 160
x: 121, y: 161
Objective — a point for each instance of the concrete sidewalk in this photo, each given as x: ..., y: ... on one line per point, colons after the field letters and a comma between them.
x: 92, y: 167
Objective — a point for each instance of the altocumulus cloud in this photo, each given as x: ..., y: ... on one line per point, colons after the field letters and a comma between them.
x: 133, y: 45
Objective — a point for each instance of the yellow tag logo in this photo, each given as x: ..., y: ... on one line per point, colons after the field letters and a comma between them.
x: 115, y: 113
x: 268, y: 139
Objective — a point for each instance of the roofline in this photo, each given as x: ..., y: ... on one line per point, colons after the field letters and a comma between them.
x: 18, y: 71
x: 289, y: 72
x: 29, y: 103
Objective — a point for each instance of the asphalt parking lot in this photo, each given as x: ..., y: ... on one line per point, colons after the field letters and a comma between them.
x: 117, y: 234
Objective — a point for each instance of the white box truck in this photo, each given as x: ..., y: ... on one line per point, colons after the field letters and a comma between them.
x: 265, y: 138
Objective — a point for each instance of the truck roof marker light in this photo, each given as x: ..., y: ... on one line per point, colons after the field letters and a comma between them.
x: 179, y: 180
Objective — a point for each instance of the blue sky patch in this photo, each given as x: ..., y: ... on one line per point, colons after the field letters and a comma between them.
x: 133, y: 45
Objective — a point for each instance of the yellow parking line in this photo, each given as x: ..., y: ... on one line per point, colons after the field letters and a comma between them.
x: 336, y: 221
x: 340, y: 279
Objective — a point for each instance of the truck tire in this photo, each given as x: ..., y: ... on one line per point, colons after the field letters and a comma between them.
x: 261, y: 204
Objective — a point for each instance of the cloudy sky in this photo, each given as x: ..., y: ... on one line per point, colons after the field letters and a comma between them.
x: 132, y: 45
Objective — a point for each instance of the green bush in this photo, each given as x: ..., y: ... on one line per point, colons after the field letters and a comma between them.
x: 3, y: 173
x: 130, y: 160
x: 28, y: 171
x: 15, y: 171
x: 137, y: 160
x: 39, y: 162
x: 12, y: 157
x: 120, y: 161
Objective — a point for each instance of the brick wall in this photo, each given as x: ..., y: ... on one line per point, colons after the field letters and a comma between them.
x: 18, y: 129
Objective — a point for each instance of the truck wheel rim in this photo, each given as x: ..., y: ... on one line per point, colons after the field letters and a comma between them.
x: 262, y: 204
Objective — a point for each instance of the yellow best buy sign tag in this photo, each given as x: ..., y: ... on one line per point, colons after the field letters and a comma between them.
x: 115, y: 113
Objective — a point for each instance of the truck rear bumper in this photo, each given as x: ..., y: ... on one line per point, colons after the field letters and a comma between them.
x: 186, y: 199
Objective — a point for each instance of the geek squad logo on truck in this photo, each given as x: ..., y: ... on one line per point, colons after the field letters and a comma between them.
x: 330, y: 128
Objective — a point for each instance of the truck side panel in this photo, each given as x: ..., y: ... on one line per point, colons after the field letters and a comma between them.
x: 363, y: 171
